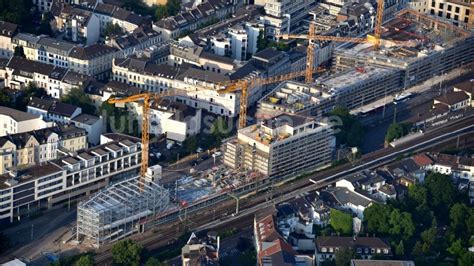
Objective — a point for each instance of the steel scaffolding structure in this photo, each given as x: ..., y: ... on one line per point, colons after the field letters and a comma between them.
x: 117, y: 211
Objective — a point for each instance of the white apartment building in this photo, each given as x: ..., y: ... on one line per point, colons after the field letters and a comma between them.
x: 127, y: 20
x: 238, y: 42
x: 79, y: 25
x: 53, y: 110
x: 285, y: 16
x: 13, y: 121
x: 93, y: 60
x: 134, y: 42
x: 176, y: 120
x: 197, y: 88
x: 220, y: 45
x: 67, y: 179
x: 285, y: 145
x: 7, y: 30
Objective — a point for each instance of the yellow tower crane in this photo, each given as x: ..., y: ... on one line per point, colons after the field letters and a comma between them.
x: 244, y: 85
x: 147, y: 99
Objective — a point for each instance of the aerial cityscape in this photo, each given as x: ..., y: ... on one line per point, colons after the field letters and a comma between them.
x: 240, y: 133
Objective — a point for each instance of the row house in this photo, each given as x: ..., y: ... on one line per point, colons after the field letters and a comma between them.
x: 53, y: 110
x: 127, y: 20
x: 191, y: 19
x: 7, y: 31
x: 57, y: 81
x: 196, y: 87
x: 93, y: 60
x: 134, y: 42
x: 37, y: 146
x: 67, y: 179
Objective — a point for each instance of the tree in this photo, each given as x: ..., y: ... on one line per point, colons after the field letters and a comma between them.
x: 344, y: 256
x: 30, y: 91
x: 400, y: 249
x: 220, y: 129
x: 5, y: 99
x: 18, y: 11
x: 161, y: 12
x: 396, y: 131
x: 458, y: 215
x: 77, y: 97
x: 441, y: 193
x: 466, y: 259
x: 349, y: 130
x: 417, y: 195
x: 341, y: 222
x: 112, y: 29
x: 417, y: 249
x: 191, y: 144
x: 127, y: 252
x: 45, y: 26
x: 119, y: 120
x: 401, y: 224
x: 262, y: 42
x: 152, y: 261
x: 18, y: 51
x: 376, y: 217
x: 85, y: 260
x: 173, y: 7
x: 456, y: 249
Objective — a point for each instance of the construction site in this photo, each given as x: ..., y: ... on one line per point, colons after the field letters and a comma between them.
x: 412, y: 48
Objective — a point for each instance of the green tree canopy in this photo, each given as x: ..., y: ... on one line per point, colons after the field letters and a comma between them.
x: 376, y: 217
x: 77, y: 97
x: 127, y: 252
x: 441, y: 193
x: 350, y: 130
x: 396, y: 131
x: 262, y: 42
x: 161, y: 12
x: 18, y: 11
x: 341, y: 222
x: 220, y: 129
x: 152, y: 261
x: 344, y: 257
x: 85, y: 260
x: 112, y: 29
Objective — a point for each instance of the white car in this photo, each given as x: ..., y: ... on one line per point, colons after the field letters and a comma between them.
x: 217, y: 154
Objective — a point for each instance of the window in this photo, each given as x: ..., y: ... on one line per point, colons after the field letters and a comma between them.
x: 467, y: 12
x: 432, y: 12
x: 466, y: 20
x: 456, y: 17
x: 440, y: 13
x: 448, y: 15
x: 457, y: 9
x: 441, y: 5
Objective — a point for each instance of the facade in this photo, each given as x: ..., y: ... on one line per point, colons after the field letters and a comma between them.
x: 113, y: 14
x: 457, y: 12
x: 454, y: 100
x: 7, y: 31
x: 134, y: 42
x: 93, y: 125
x: 285, y: 16
x: 365, y: 247
x: 67, y: 179
x: 79, y: 25
x: 53, y: 110
x: 36, y: 147
x: 351, y: 200
x: 281, y: 146
x: 93, y: 60
x: 176, y: 120
x: 14, y: 121
x: 185, y: 82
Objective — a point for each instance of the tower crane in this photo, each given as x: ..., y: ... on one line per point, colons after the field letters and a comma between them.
x: 311, y: 36
x: 245, y: 84
x: 147, y: 99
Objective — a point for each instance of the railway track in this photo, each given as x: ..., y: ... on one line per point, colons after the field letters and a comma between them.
x: 200, y: 221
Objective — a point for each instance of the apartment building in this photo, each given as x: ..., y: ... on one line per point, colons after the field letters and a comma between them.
x: 176, y: 120
x: 67, y: 179
x: 13, y: 121
x: 79, y: 25
x: 57, y: 81
x: 93, y: 60
x: 53, y: 110
x: 285, y: 16
x: 195, y: 55
x: 187, y: 81
x: 127, y: 20
x: 191, y: 19
x: 281, y: 146
x: 38, y: 146
x: 458, y: 12
x: 134, y: 42
x: 365, y: 247
x: 7, y: 31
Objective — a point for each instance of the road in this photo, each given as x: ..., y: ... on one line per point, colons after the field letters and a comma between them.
x: 218, y: 217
